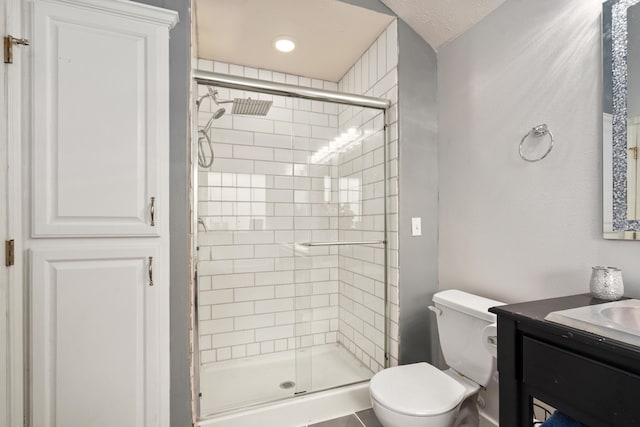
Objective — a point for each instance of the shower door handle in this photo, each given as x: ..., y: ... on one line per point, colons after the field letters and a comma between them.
x: 345, y: 243
x: 152, y: 211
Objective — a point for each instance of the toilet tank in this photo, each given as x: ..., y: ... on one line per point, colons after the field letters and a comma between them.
x: 461, y: 319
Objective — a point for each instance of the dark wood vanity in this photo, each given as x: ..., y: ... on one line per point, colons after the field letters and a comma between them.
x: 593, y: 379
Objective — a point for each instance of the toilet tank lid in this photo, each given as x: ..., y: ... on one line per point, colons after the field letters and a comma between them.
x: 470, y: 304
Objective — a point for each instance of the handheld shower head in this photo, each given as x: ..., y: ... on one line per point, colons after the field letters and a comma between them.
x: 205, y: 159
x: 216, y: 115
x: 213, y: 94
x: 219, y: 113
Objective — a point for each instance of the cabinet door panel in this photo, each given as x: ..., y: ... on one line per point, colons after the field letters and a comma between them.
x: 96, y: 122
x: 97, y: 338
x: 100, y: 157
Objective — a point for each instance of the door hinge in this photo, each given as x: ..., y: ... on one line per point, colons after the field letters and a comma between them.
x: 9, y: 41
x: 635, y: 152
x: 9, y: 253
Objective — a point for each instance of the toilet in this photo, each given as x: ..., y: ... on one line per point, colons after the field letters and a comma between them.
x: 421, y: 395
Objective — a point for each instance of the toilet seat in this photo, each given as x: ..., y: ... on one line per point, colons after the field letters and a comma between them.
x: 418, y: 389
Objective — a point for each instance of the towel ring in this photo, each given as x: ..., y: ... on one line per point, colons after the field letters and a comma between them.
x: 537, y: 131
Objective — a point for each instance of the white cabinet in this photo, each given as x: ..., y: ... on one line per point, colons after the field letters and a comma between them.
x: 100, y: 118
x: 99, y: 331
x: 98, y: 351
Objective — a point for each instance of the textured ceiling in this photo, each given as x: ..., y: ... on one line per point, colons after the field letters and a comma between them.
x: 440, y: 21
x: 330, y: 35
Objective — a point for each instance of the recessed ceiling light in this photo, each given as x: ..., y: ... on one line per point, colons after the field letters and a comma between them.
x: 284, y: 44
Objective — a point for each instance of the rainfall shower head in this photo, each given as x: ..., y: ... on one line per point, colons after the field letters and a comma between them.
x: 241, y: 106
x: 250, y: 107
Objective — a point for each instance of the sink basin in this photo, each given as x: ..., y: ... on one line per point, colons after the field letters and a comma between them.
x: 629, y: 317
x: 619, y: 320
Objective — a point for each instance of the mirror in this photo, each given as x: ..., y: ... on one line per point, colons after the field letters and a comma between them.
x: 621, y: 119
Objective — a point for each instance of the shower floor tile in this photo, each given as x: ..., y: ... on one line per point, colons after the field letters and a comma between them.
x: 236, y: 383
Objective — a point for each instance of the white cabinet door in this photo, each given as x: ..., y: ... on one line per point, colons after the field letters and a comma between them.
x: 100, y: 338
x: 100, y: 114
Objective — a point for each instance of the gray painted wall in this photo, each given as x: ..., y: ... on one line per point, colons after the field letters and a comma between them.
x: 418, y: 171
x: 375, y: 5
x: 180, y: 58
x: 511, y: 230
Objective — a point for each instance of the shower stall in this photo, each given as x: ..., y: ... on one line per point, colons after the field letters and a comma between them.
x: 289, y: 217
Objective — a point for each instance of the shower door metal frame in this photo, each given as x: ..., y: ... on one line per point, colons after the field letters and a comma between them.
x: 200, y: 77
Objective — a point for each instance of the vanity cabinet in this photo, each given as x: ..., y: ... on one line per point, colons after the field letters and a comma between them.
x: 99, y: 235
x: 593, y: 379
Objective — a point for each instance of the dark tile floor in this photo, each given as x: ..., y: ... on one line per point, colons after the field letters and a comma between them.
x: 364, y: 418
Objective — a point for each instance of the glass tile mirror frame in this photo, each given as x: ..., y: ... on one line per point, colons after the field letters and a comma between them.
x: 620, y: 220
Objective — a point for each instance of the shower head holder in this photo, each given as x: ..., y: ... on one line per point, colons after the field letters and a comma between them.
x: 214, y: 95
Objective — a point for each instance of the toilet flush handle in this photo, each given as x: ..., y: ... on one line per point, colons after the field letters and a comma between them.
x: 436, y: 310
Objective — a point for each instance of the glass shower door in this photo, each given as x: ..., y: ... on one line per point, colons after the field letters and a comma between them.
x: 340, y: 263
x: 246, y: 324
x: 291, y: 252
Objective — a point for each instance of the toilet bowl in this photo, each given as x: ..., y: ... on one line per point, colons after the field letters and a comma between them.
x: 418, y: 395
x: 421, y: 395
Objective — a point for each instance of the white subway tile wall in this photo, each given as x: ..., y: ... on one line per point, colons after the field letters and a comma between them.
x: 259, y: 292
x: 308, y: 171
x: 361, y: 171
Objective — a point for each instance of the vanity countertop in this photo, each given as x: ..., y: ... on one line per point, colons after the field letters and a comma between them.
x: 537, y: 310
x: 533, y: 313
